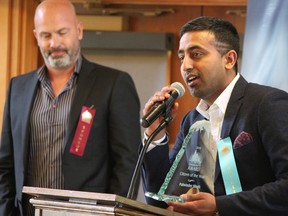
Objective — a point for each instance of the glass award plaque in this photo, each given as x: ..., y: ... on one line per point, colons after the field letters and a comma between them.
x: 193, y: 167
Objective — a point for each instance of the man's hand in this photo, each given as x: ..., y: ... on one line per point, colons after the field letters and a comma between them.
x: 159, y: 96
x: 199, y: 204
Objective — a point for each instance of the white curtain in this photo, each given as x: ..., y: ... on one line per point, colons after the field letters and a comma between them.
x: 265, y: 50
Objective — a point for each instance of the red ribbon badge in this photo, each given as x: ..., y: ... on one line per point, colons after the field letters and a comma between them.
x: 83, y: 130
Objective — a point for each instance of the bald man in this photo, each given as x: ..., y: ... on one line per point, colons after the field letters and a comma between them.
x: 66, y: 124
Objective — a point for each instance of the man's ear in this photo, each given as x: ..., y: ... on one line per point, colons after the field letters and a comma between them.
x: 35, y: 35
x: 231, y: 59
x: 80, y: 30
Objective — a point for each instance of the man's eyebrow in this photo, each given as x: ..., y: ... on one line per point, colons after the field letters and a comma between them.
x: 57, y: 31
x: 44, y: 33
x: 63, y: 29
x: 191, y: 48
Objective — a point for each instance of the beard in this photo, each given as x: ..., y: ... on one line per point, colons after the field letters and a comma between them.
x: 63, y: 61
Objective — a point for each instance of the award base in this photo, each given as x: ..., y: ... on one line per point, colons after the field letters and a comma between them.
x: 164, y: 197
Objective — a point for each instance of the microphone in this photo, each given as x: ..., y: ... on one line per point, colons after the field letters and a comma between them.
x: 160, y: 108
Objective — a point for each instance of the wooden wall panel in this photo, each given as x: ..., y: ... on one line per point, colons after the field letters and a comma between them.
x: 29, y: 49
x: 18, y: 49
x: 235, y: 15
x: 171, y: 2
x: 5, y: 51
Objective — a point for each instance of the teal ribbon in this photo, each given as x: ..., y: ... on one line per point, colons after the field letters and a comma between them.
x: 228, y: 166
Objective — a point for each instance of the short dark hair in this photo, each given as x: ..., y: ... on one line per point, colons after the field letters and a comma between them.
x: 225, y: 33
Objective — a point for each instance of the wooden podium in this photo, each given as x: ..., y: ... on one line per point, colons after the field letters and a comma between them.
x: 53, y: 202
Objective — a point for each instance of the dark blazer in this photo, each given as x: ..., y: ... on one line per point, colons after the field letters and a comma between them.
x: 112, y: 147
x: 262, y: 163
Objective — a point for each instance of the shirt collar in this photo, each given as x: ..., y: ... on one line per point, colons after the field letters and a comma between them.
x: 221, y: 101
x: 78, y: 65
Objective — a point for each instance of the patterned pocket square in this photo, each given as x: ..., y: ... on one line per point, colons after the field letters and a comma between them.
x: 242, y: 139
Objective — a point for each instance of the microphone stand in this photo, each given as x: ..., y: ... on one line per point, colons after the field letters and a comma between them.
x: 164, y: 123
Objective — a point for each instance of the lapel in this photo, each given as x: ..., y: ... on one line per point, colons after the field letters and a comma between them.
x: 232, y: 110
x: 29, y: 88
x: 233, y: 106
x: 85, y: 84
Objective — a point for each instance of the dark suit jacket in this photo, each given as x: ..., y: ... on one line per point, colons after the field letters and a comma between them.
x: 112, y: 147
x: 262, y: 164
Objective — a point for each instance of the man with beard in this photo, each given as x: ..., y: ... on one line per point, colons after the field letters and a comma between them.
x: 66, y: 124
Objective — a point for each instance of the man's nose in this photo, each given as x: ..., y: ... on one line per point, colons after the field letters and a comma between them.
x: 187, y: 64
x: 55, y: 41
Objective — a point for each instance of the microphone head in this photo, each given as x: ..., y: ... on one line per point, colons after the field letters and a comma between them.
x: 179, y: 88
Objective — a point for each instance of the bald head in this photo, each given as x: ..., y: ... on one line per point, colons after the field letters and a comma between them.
x: 51, y: 8
x: 58, y: 32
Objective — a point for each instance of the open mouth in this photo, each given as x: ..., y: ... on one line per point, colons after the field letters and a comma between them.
x: 191, y: 79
